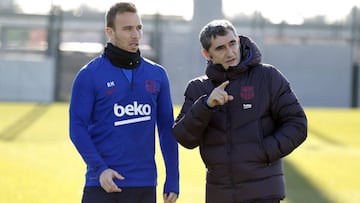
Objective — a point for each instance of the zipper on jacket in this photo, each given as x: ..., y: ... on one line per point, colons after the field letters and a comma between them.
x: 228, y: 151
x: 132, y: 79
x: 229, y: 140
x: 228, y: 144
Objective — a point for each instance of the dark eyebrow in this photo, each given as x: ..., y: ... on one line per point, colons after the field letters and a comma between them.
x: 222, y: 46
x: 131, y: 27
x: 232, y: 41
x: 219, y: 47
x: 126, y: 27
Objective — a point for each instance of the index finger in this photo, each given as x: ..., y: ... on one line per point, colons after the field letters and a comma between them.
x: 170, y: 197
x: 118, y: 176
x: 223, y: 85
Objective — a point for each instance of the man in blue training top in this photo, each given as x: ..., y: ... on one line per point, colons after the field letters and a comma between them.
x: 117, y: 100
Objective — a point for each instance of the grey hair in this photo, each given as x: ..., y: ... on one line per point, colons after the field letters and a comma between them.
x: 213, y: 29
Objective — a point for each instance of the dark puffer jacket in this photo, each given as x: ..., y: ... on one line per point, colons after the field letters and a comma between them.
x: 243, y: 141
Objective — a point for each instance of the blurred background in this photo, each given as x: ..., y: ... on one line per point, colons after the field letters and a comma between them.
x: 316, y: 44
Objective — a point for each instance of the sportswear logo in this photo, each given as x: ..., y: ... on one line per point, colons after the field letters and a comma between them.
x: 247, y: 92
x: 110, y: 84
x: 111, y: 87
x: 150, y: 86
x: 247, y: 106
x: 134, y: 109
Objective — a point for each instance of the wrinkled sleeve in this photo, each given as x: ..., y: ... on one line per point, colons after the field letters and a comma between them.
x: 193, y: 119
x: 289, y: 117
x: 168, y: 144
x: 80, y: 112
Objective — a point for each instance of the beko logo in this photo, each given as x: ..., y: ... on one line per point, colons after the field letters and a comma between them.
x: 134, y: 109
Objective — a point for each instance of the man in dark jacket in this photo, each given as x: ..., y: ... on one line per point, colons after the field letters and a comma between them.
x: 244, y: 117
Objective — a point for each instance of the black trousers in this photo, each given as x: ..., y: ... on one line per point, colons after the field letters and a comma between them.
x: 127, y: 195
x: 264, y: 201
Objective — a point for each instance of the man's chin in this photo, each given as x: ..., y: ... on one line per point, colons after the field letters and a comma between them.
x: 133, y: 50
x: 230, y: 65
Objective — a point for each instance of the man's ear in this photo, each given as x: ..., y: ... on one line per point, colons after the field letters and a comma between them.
x: 109, y: 32
x: 206, y: 54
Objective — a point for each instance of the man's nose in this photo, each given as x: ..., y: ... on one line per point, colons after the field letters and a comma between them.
x: 135, y: 34
x: 229, y: 51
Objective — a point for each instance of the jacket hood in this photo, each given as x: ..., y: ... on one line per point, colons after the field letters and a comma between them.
x: 250, y: 57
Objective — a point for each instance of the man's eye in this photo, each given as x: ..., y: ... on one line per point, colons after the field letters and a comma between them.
x: 220, y: 48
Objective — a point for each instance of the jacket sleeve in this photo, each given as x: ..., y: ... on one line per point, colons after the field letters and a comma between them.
x: 80, y: 112
x: 289, y: 117
x: 192, y: 120
x: 168, y: 144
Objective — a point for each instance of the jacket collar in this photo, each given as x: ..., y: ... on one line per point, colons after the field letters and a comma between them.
x: 121, y: 58
x: 250, y: 57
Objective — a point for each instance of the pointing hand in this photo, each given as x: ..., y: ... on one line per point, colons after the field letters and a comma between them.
x: 219, y: 96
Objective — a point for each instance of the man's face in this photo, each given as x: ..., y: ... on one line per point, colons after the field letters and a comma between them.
x: 224, y: 50
x: 127, y: 31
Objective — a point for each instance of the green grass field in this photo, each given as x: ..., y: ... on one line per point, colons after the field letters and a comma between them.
x: 38, y: 163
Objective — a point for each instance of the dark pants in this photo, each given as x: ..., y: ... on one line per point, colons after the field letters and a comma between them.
x: 264, y: 201
x: 128, y: 194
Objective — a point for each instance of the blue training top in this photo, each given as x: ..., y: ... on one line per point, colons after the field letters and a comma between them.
x: 112, y: 123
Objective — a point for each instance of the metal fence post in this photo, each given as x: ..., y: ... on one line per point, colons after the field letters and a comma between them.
x: 355, y: 86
